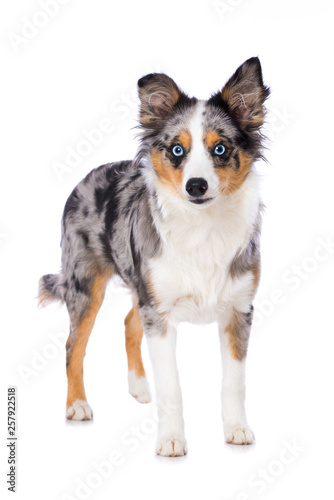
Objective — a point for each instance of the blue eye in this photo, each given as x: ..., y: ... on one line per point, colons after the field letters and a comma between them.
x: 177, y: 151
x: 219, y: 150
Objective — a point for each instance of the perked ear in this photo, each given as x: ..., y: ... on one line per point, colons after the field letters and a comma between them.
x: 245, y: 93
x: 158, y: 95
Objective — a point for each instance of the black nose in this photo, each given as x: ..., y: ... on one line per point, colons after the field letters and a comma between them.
x: 196, y: 187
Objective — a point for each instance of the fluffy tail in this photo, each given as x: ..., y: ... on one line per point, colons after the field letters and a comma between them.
x: 50, y: 289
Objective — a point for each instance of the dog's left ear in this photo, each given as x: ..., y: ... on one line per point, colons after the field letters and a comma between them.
x: 158, y: 95
x: 245, y: 93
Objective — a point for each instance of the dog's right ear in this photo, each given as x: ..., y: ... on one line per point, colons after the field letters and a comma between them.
x: 158, y: 95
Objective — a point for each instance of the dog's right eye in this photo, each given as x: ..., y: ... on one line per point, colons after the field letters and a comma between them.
x: 177, y: 151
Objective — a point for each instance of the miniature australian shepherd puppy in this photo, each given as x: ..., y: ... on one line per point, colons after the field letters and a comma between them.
x: 180, y: 224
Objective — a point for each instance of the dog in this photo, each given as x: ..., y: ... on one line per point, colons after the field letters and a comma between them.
x: 180, y: 224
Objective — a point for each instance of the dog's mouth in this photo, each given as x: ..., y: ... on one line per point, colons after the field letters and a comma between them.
x: 200, y: 201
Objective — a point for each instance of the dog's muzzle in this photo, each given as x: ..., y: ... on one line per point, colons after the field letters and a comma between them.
x: 196, y: 187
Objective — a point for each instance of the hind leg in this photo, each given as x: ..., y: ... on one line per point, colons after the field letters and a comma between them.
x: 138, y: 385
x: 82, y: 323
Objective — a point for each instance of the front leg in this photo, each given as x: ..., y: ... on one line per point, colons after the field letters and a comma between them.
x: 234, y: 336
x: 161, y: 344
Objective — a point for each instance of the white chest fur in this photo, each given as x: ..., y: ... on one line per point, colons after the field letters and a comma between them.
x: 190, y: 278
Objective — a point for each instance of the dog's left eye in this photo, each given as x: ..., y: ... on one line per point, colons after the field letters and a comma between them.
x: 219, y: 150
x: 177, y: 151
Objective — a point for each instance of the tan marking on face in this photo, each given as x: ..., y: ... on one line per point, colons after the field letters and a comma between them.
x: 185, y: 139
x: 77, y: 341
x: 237, y: 336
x: 211, y: 137
x: 133, y: 339
x: 230, y: 179
x: 171, y: 177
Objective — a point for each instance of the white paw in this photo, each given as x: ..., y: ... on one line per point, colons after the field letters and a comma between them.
x: 139, y: 388
x: 239, y: 434
x: 171, y: 446
x: 80, y: 410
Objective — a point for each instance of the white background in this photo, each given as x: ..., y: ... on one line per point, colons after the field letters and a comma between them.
x: 77, y: 70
